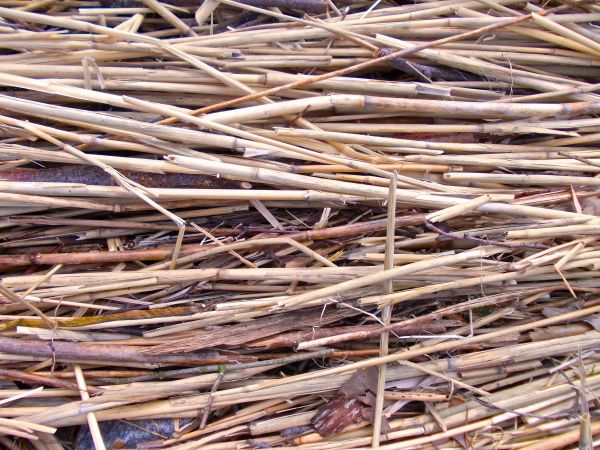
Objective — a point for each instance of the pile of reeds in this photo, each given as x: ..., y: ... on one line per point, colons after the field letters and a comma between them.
x: 316, y: 224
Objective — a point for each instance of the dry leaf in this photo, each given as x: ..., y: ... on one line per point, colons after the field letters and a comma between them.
x: 336, y: 415
x: 551, y: 311
x: 360, y: 382
x: 591, y: 206
x: 593, y: 321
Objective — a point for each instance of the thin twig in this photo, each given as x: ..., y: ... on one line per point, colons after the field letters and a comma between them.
x: 455, y: 236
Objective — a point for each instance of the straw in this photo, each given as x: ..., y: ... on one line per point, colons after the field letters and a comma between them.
x: 310, y: 224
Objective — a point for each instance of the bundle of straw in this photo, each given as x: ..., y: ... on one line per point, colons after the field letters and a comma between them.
x: 312, y: 224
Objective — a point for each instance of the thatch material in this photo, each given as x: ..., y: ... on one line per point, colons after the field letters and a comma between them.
x: 301, y: 224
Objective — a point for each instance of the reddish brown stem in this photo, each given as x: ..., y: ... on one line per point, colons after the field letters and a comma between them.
x: 82, y: 351
x: 483, y: 241
x: 34, y: 379
x: 293, y: 339
x: 161, y: 253
x: 108, y: 223
x: 95, y: 176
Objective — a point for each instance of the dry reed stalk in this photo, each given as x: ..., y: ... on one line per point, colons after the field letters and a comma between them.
x: 91, y: 418
x: 166, y: 14
x: 248, y: 125
x: 391, y: 56
x: 386, y: 313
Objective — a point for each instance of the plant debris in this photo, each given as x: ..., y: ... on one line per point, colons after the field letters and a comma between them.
x: 311, y: 224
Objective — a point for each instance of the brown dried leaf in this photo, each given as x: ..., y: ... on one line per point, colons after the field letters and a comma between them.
x: 551, y: 311
x: 360, y: 382
x: 594, y: 321
x: 336, y: 415
x: 368, y: 399
x: 368, y: 414
x: 591, y: 206
x: 462, y: 440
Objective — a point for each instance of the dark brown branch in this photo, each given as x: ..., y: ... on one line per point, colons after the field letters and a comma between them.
x: 426, y: 73
x: 455, y: 236
x: 34, y: 379
x: 95, y: 176
x: 82, y: 351
x: 208, y: 406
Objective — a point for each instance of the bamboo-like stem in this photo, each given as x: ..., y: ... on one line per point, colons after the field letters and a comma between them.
x: 386, y: 313
x: 457, y: 210
x: 125, y: 183
x: 563, y: 439
x: 323, y: 293
x: 7, y: 293
x: 216, y: 241
x: 445, y: 377
x: 91, y: 417
x: 442, y: 346
x: 177, y: 248
x: 169, y: 16
x: 361, y: 66
x: 205, y: 11
x: 369, y: 158
x: 162, y: 253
